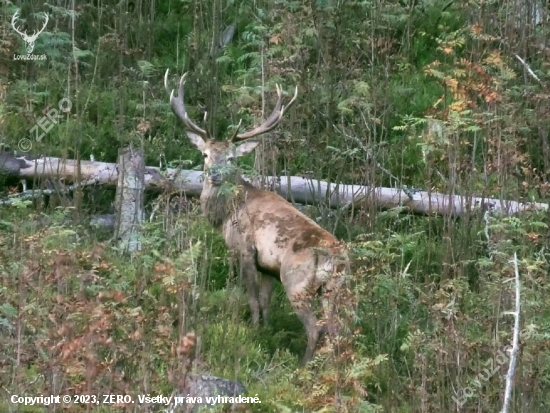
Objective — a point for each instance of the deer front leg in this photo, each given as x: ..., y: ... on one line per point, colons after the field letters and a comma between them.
x: 251, y: 279
x: 266, y: 291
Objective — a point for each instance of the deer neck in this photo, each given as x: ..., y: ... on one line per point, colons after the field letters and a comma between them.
x: 220, y: 202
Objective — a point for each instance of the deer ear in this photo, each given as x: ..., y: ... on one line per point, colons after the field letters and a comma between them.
x: 246, y: 147
x: 196, y: 140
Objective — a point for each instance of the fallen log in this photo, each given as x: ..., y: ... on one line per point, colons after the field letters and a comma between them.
x: 294, y: 188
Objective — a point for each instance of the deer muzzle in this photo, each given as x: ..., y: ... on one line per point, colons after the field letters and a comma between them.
x: 214, y: 175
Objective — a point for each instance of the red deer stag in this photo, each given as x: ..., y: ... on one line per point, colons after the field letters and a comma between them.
x: 271, y: 238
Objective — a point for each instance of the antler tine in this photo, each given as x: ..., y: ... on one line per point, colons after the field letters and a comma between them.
x: 166, y: 82
x: 178, y: 106
x: 206, y: 125
x: 236, y: 131
x: 273, y: 120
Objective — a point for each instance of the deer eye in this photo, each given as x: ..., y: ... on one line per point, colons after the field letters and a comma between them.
x: 205, y: 155
x: 230, y: 159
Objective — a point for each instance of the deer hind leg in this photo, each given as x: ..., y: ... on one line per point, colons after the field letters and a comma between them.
x: 266, y: 291
x: 302, y: 308
x: 300, y: 286
x: 313, y: 330
x: 330, y: 293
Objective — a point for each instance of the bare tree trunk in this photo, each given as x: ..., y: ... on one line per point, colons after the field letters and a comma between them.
x: 129, y: 199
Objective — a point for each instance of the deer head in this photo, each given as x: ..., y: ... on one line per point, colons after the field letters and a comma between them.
x: 219, y: 156
x: 29, y: 40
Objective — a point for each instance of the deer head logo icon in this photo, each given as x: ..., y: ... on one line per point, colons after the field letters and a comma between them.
x: 29, y: 40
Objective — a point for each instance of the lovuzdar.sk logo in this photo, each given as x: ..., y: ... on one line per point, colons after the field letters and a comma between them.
x: 29, y: 40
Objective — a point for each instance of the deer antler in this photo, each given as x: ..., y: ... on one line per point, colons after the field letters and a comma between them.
x: 271, y: 122
x: 179, y: 106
